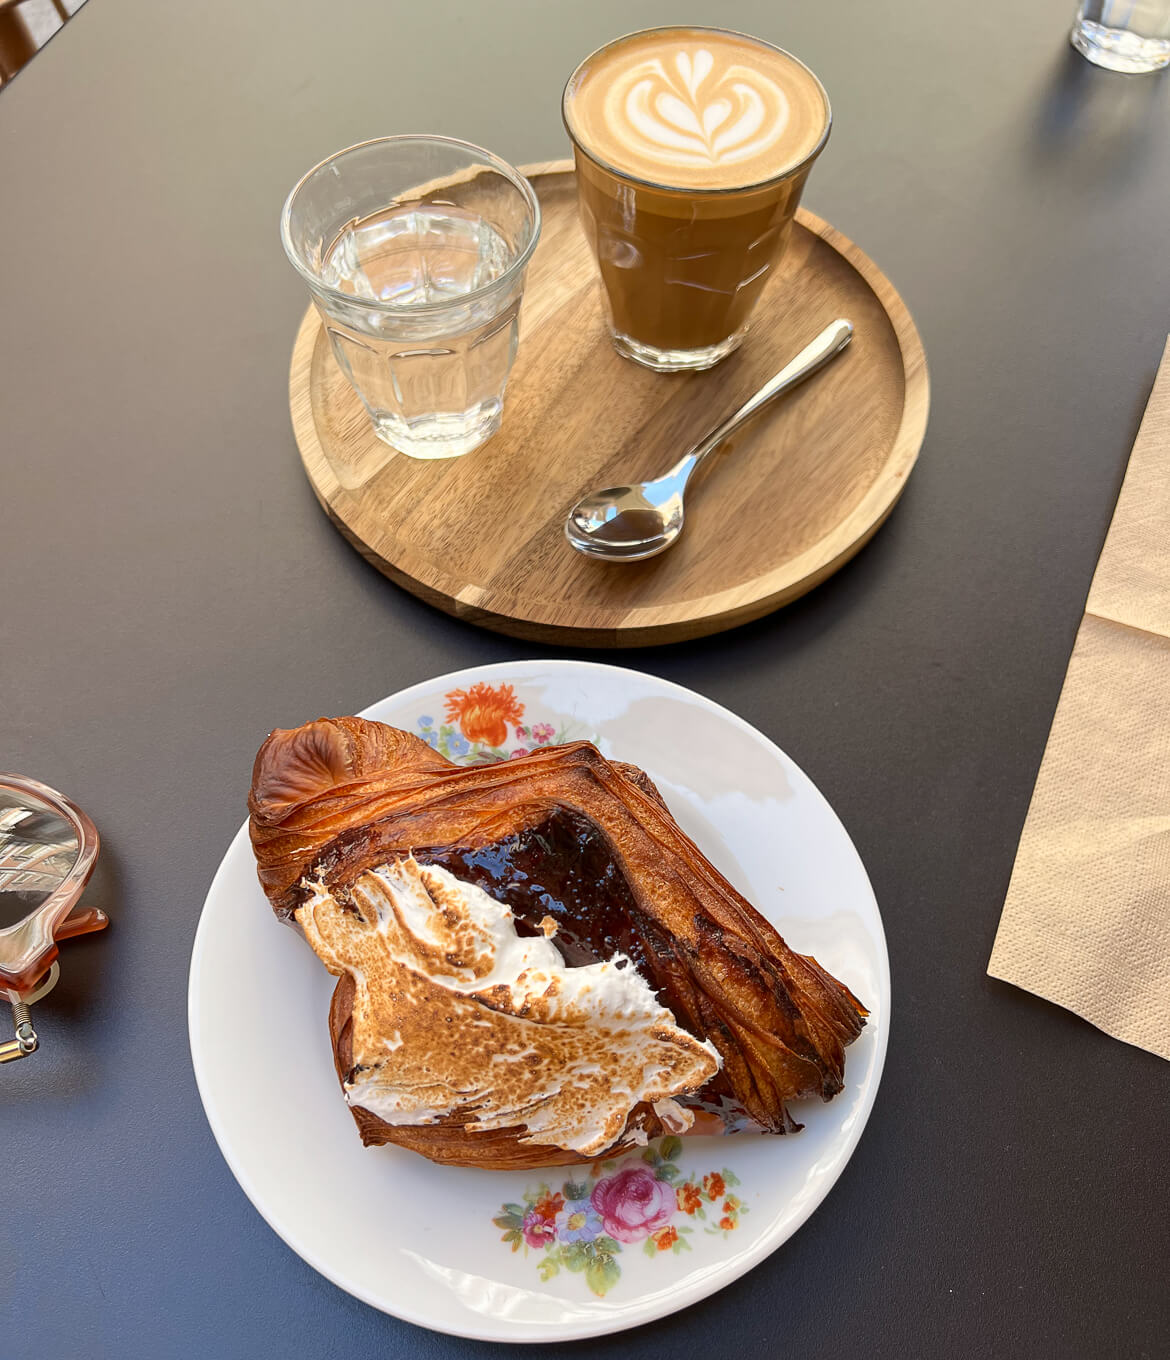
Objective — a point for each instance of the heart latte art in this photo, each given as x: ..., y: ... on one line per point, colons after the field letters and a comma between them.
x: 689, y: 113
x: 696, y: 108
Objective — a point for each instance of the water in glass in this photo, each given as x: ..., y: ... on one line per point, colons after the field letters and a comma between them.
x: 432, y: 377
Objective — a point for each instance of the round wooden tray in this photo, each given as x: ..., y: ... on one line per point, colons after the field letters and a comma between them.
x: 787, y: 501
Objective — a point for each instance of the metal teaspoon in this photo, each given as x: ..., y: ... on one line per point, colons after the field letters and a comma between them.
x: 629, y: 523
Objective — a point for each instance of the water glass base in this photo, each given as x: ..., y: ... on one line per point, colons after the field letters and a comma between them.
x: 449, y: 435
x: 676, y: 360
x: 1119, y: 50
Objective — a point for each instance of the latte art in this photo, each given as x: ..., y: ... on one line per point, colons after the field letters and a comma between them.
x: 696, y: 108
x: 691, y: 113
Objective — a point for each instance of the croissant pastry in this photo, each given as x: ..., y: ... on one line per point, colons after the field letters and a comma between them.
x: 535, y: 965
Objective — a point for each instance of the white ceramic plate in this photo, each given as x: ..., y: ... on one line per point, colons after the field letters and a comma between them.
x: 423, y: 1241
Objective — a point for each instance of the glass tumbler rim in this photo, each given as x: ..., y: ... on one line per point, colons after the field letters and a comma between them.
x: 515, y: 267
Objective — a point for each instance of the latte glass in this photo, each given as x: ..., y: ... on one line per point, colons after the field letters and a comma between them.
x: 683, y: 262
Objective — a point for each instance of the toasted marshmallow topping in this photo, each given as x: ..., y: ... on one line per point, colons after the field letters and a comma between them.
x: 456, y: 1012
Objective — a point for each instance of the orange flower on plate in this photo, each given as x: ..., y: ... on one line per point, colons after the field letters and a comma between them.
x: 689, y: 1197
x: 665, y: 1238
x: 549, y: 1206
x: 727, y: 1223
x: 714, y: 1185
x: 484, y: 711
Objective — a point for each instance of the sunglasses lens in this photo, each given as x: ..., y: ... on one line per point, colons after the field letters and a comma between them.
x: 38, y: 848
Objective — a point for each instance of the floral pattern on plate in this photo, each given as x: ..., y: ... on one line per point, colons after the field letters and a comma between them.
x: 483, y: 723
x: 642, y: 1198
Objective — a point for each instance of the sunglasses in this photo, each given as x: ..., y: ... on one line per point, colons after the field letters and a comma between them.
x: 48, y: 849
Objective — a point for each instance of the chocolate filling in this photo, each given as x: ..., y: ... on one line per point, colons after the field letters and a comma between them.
x: 564, y: 868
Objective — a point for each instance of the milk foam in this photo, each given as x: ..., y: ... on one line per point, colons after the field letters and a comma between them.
x: 696, y: 107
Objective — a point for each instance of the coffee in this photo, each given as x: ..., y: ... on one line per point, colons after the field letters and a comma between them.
x: 692, y: 147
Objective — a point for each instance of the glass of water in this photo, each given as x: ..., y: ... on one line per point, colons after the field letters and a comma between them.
x: 1124, y: 35
x: 414, y: 249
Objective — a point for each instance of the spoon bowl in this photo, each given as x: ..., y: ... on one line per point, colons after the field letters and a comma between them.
x: 626, y: 522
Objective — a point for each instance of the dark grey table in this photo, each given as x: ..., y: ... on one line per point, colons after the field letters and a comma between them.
x: 171, y: 591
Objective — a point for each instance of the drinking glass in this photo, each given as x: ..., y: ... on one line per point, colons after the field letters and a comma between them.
x: 415, y: 249
x: 1124, y: 35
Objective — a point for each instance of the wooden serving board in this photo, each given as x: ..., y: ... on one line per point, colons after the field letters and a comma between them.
x: 785, y: 503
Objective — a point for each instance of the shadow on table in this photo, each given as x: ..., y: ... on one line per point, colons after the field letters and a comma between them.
x: 1100, y: 122
x: 826, y: 607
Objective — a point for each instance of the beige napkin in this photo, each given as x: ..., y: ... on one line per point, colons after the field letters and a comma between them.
x: 1087, y: 918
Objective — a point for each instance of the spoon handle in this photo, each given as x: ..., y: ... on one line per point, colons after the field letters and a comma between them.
x: 830, y: 341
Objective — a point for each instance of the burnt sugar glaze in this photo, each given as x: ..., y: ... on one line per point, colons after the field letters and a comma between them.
x: 564, y: 868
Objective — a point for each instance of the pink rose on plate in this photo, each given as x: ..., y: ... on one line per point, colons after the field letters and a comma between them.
x: 633, y: 1203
